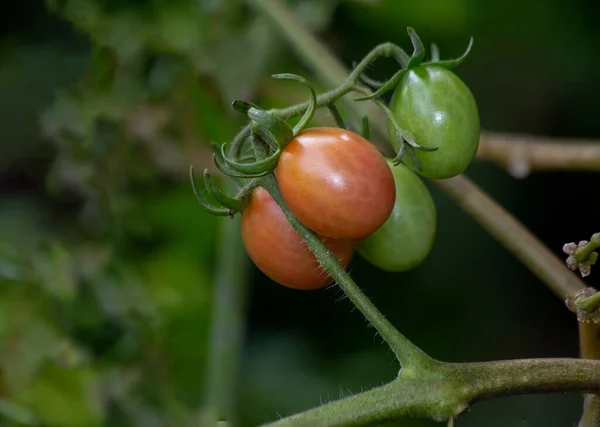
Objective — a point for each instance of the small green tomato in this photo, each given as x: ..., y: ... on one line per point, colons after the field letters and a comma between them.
x: 406, y: 238
x: 439, y: 110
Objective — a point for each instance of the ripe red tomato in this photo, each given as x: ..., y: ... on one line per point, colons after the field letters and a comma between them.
x: 279, y: 252
x: 336, y: 183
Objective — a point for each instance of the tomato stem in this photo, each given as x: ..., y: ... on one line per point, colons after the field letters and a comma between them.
x: 409, y: 355
x: 337, y: 116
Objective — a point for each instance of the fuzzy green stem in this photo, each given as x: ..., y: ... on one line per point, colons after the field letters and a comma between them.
x: 409, y: 355
x: 447, y: 389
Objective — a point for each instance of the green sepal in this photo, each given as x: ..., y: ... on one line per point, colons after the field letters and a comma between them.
x: 210, y: 208
x: 451, y: 63
x: 366, y: 129
x: 271, y: 128
x: 387, y: 86
x: 242, y: 106
x: 218, y: 161
x: 232, y: 204
x: 312, y: 102
x: 419, y: 50
x: 247, y: 188
x: 258, y: 167
x: 411, y: 140
x: 413, y: 155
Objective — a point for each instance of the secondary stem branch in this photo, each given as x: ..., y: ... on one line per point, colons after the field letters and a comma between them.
x: 407, y: 353
x: 522, y: 154
x: 447, y: 389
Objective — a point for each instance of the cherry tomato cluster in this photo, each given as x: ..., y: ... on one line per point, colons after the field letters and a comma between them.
x: 340, y: 186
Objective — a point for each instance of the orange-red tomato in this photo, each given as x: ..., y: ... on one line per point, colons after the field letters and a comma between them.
x: 279, y: 252
x: 336, y: 183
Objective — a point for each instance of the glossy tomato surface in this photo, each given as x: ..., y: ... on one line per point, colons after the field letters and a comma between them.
x: 434, y: 104
x: 279, y: 252
x: 406, y: 238
x: 336, y: 182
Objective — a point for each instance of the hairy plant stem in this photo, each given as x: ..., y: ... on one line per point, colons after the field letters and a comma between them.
x: 447, y: 389
x: 409, y: 355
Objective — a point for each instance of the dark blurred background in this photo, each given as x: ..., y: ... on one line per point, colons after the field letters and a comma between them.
x: 107, y: 260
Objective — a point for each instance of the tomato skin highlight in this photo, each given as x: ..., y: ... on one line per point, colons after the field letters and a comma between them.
x: 336, y: 183
x: 407, y: 237
x: 279, y: 251
x: 436, y: 106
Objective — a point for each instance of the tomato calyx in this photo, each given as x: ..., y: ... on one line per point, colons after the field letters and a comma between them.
x: 406, y: 141
x: 415, y: 60
x: 225, y: 204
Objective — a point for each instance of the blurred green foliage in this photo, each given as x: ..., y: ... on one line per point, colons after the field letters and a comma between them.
x: 106, y: 260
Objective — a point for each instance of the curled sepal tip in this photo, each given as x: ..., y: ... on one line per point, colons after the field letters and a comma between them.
x: 387, y: 86
x: 212, y: 209
x: 234, y: 205
x: 413, y: 156
x: 218, y: 161
x: 256, y: 168
x: 451, y: 63
x: 312, y: 102
x: 243, y: 106
x: 411, y: 140
x: 419, y: 49
x: 270, y: 127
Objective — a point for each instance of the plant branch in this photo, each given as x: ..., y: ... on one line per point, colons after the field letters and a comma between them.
x: 447, y: 389
x: 522, y: 154
x: 409, y: 355
x: 227, y: 325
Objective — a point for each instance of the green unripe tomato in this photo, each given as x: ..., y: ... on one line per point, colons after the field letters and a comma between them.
x: 433, y: 104
x: 406, y: 238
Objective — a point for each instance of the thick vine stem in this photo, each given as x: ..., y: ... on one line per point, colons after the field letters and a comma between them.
x: 447, y: 389
x: 408, y: 354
